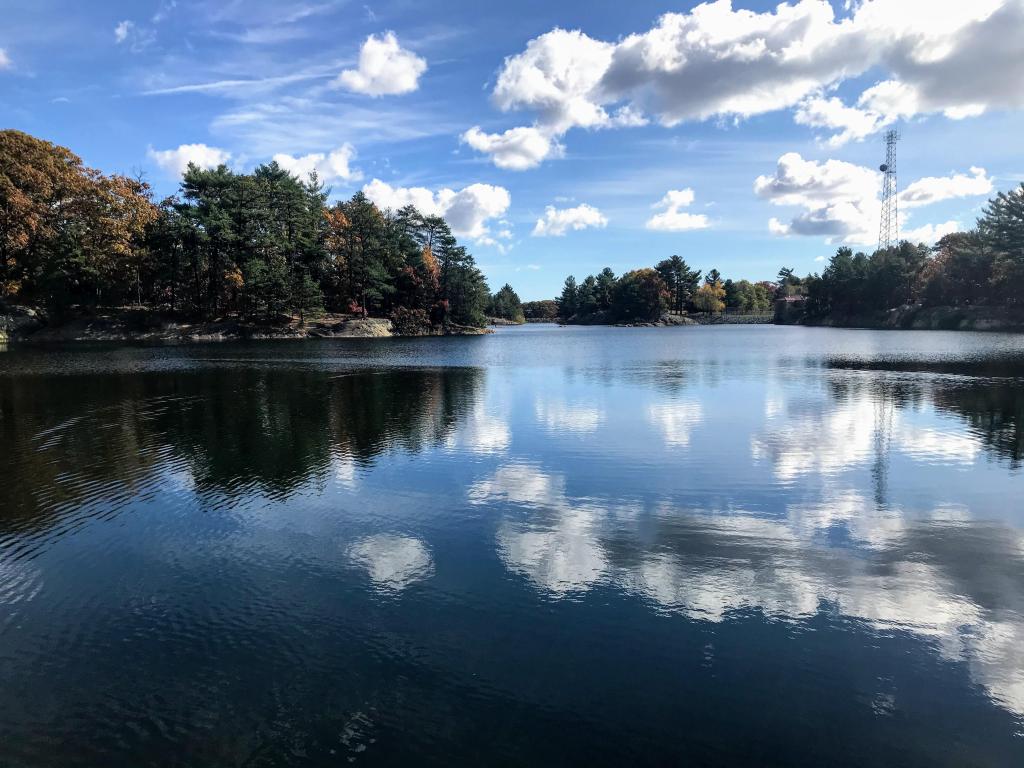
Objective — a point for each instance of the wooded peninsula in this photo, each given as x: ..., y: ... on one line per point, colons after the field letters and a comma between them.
x: 263, y: 248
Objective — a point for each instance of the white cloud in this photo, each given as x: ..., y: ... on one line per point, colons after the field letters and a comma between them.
x: 715, y: 61
x: 175, y: 161
x: 122, y: 30
x: 934, y: 189
x: 5, y: 60
x: 935, y: 56
x: 807, y: 182
x: 941, y: 56
x: 467, y: 211
x: 516, y: 149
x: 930, y: 233
x: 333, y: 166
x: 841, y: 200
x: 556, y: 76
x: 672, y: 219
x: 557, y: 221
x: 853, y: 124
x: 385, y: 68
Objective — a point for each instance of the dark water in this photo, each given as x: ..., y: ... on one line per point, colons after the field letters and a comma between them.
x: 699, y: 546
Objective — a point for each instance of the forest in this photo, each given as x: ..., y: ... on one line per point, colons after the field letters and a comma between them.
x: 645, y: 295
x: 260, y: 245
x: 982, y: 267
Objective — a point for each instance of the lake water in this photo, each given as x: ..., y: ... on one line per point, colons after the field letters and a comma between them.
x: 717, y: 546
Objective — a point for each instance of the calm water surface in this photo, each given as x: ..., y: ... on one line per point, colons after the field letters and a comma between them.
x: 696, y: 546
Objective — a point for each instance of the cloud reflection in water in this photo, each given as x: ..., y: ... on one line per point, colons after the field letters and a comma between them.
x: 392, y: 562
x: 902, y: 575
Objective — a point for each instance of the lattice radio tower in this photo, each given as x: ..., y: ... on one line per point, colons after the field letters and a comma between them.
x: 889, y: 228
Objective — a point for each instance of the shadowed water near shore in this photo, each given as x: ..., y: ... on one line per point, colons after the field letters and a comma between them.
x: 725, y: 546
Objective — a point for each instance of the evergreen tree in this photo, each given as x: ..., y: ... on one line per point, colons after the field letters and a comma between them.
x: 1002, y: 231
x: 568, y: 302
x: 505, y: 304
x: 605, y: 289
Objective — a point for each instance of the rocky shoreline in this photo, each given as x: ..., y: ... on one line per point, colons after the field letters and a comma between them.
x: 23, y: 324
x: 666, y: 321
x: 918, y: 318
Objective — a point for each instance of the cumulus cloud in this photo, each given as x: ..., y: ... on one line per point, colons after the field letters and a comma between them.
x: 557, y: 221
x: 942, y: 55
x: 516, y: 149
x: 935, y: 56
x: 5, y: 60
x: 841, y: 200
x: 332, y: 166
x: 385, y: 68
x: 807, y: 182
x: 852, y: 123
x: 934, y: 189
x: 467, y: 211
x: 672, y: 219
x: 556, y: 76
x: 930, y: 233
x: 176, y: 161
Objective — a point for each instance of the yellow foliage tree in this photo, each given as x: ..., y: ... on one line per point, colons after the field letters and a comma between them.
x: 710, y: 297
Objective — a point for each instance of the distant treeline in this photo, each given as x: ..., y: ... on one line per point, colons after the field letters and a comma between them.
x: 257, y: 245
x: 647, y: 294
x: 505, y: 305
x: 980, y: 267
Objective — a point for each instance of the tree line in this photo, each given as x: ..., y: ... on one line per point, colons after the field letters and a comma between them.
x: 259, y: 245
x: 980, y: 267
x: 647, y: 294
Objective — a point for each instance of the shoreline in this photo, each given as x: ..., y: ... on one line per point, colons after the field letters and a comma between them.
x: 918, y: 318
x: 23, y: 325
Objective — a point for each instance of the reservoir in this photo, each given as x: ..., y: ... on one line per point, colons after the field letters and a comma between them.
x: 714, y: 545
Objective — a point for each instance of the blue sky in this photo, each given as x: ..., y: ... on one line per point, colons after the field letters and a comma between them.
x: 741, y: 137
